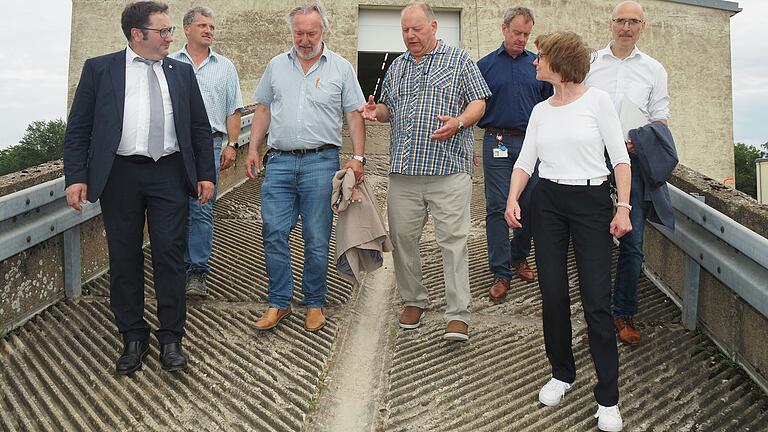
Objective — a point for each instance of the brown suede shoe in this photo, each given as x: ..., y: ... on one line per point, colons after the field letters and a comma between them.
x: 272, y: 318
x: 315, y: 319
x: 410, y: 318
x: 628, y: 333
x: 456, y: 331
x: 524, y: 272
x: 498, y: 292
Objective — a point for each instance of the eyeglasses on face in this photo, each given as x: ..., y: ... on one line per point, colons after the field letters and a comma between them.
x: 164, y: 32
x: 623, y: 21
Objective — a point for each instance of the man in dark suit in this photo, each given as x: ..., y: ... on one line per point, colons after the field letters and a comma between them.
x: 138, y: 139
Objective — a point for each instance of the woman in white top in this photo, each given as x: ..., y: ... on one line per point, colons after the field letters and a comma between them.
x: 569, y: 133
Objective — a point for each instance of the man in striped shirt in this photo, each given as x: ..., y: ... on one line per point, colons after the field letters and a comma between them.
x: 220, y: 87
x: 432, y: 95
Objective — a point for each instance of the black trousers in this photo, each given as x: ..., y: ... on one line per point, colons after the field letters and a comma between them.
x: 137, y: 188
x: 583, y: 214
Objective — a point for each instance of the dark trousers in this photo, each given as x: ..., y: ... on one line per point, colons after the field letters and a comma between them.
x: 497, y: 173
x: 139, y: 187
x: 583, y: 214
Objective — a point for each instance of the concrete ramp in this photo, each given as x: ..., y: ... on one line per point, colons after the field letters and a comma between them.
x: 56, y: 371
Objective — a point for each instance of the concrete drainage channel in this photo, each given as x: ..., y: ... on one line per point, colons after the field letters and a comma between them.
x: 360, y: 373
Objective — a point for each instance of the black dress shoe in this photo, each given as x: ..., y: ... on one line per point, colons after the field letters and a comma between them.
x: 172, y: 358
x: 133, y: 353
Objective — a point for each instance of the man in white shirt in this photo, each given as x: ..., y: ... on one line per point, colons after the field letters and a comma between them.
x: 622, y: 70
x: 138, y: 140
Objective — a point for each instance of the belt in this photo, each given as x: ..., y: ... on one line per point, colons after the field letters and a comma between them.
x: 511, y: 132
x: 217, y: 134
x: 141, y: 159
x: 597, y: 181
x: 305, y: 151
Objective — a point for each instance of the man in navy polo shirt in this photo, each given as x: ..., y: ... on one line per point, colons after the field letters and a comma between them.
x: 511, y: 76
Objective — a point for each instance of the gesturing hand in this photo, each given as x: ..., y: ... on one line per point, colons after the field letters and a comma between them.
x: 449, y: 129
x: 368, y: 109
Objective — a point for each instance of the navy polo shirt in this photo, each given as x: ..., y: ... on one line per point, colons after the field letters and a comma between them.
x: 515, y: 89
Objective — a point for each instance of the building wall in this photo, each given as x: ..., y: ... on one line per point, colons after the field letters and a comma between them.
x: 692, y: 42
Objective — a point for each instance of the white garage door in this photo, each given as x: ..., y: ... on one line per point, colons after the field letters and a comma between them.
x: 379, y: 30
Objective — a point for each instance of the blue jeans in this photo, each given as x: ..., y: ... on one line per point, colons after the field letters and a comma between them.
x: 497, y: 173
x: 200, y: 224
x: 630, y: 261
x: 298, y: 185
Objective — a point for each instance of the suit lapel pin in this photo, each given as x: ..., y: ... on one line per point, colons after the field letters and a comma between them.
x: 170, y: 66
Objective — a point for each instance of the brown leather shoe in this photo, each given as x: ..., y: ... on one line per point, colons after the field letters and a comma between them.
x: 628, y: 333
x: 315, y: 319
x: 410, y: 318
x: 456, y: 331
x: 524, y: 272
x: 498, y: 292
x: 272, y: 318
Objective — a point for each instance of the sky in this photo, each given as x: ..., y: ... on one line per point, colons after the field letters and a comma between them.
x: 34, y: 53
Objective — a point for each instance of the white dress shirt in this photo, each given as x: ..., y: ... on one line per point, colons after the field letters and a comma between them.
x: 639, y: 76
x: 136, y: 113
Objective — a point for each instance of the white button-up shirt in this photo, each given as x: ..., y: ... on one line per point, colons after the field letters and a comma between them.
x: 639, y: 76
x: 136, y: 111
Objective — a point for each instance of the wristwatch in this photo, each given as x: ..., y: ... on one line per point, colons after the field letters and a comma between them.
x: 461, y: 124
x: 360, y: 159
x: 228, y: 143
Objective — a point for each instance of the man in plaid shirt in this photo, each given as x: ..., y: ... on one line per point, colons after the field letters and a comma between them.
x: 432, y: 95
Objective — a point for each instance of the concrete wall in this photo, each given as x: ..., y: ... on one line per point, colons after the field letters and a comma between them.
x: 733, y: 324
x: 692, y: 42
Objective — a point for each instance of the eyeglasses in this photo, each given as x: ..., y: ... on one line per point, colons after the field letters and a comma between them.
x: 631, y: 21
x: 164, y: 32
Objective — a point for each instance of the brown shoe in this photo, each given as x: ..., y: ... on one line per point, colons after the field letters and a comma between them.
x: 410, y: 318
x: 456, y: 331
x: 524, y: 272
x: 498, y: 292
x: 625, y: 328
x: 315, y: 319
x: 272, y: 318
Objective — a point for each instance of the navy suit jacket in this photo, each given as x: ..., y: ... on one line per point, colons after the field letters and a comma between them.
x: 95, y: 123
x: 656, y: 157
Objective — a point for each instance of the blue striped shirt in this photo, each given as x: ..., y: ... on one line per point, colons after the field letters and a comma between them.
x: 444, y: 82
x: 219, y: 84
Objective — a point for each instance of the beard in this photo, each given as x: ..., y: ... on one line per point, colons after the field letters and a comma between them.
x: 312, y: 54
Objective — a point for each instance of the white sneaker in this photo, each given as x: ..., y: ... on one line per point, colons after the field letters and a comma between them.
x: 553, y: 391
x: 608, y: 418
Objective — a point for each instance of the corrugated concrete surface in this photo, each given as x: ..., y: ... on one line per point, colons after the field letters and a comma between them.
x: 56, y: 371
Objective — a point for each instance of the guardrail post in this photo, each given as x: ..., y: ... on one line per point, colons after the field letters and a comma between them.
x: 691, y: 282
x: 72, y: 279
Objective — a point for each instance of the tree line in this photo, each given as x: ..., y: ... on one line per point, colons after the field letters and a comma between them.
x: 43, y: 141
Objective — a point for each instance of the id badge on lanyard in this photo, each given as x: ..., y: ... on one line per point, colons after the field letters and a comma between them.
x: 501, y: 150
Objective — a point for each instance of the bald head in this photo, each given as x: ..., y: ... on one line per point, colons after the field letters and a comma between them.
x: 628, y: 7
x: 627, y: 24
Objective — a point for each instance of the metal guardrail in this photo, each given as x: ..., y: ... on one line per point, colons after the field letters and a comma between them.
x: 735, y: 255
x: 36, y: 214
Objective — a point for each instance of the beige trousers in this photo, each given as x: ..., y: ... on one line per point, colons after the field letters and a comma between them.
x: 446, y: 198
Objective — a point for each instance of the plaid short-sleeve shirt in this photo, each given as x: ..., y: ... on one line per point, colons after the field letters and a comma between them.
x: 444, y: 82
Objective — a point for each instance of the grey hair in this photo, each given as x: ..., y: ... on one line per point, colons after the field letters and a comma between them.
x: 189, y: 17
x: 308, y: 8
x: 427, y: 9
x: 516, y: 11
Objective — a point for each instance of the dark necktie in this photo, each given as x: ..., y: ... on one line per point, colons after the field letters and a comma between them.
x: 156, y: 137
